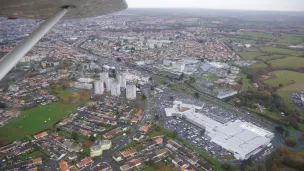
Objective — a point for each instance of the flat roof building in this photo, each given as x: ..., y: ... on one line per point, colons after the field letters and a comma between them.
x: 242, y: 138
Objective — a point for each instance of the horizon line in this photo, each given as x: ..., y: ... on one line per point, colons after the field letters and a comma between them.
x: 262, y: 10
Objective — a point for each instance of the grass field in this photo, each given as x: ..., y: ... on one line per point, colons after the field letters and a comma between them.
x: 285, y: 77
x: 245, y: 82
x: 293, y: 62
x: 276, y: 50
x: 37, y: 119
x: 250, y: 55
x: 160, y: 166
x: 259, y: 65
x: 270, y: 57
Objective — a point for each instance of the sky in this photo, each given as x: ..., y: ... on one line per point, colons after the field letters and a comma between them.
x: 265, y: 5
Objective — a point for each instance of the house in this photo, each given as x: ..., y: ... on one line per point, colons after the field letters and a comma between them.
x: 40, y: 135
x: 101, y: 168
x: 109, y: 134
x: 159, y: 140
x: 86, y: 133
x: 84, y: 162
x: 117, y: 157
x: 128, y: 153
x: 144, y: 129
x: 138, y: 136
x: 186, y: 169
x: 128, y: 166
x: 63, y: 165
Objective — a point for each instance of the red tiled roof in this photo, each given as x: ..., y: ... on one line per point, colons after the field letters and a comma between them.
x: 84, y: 162
x: 158, y: 140
x: 64, y: 165
x: 144, y: 128
x: 128, y: 152
x: 42, y: 134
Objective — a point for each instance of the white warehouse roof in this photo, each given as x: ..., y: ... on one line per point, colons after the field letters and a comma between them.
x: 242, y: 138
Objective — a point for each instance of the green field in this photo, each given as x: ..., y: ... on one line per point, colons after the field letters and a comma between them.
x: 293, y: 62
x: 282, y: 38
x: 282, y: 51
x: 259, y: 65
x: 270, y: 57
x: 250, y: 55
x: 285, y: 77
x: 245, y: 82
x: 37, y: 119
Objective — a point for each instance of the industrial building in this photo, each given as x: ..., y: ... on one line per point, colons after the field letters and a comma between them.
x: 98, y: 87
x: 243, y: 139
x: 131, y: 92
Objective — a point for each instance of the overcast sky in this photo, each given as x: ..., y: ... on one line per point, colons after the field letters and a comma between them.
x: 274, y: 5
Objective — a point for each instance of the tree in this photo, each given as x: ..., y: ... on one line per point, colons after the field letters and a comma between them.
x: 226, y: 166
x: 229, y: 72
x: 150, y: 79
x: 156, y: 117
x: 2, y: 105
x: 181, y: 76
x: 279, y: 129
x: 192, y: 79
x: 281, y: 85
x: 274, y: 168
x: 74, y: 136
x: 174, y: 134
x: 196, y: 95
x: 171, y: 98
x: 93, y: 138
x: 118, y: 59
x: 144, y: 97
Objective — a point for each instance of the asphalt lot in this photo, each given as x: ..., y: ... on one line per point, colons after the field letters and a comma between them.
x: 191, y: 132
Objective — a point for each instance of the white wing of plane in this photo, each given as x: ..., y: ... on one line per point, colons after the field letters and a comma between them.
x: 52, y: 11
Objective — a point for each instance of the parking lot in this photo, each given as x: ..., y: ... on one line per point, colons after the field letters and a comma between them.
x: 190, y: 132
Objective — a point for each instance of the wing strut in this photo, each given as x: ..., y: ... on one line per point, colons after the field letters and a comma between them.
x: 13, y: 57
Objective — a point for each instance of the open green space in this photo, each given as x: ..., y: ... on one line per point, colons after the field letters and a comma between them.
x: 245, y: 82
x: 250, y: 55
x: 37, y: 119
x: 259, y: 65
x: 282, y: 51
x: 285, y: 77
x: 292, y: 62
x: 270, y: 57
x: 281, y: 39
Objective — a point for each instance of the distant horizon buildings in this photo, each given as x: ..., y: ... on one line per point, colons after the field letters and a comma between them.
x: 131, y: 92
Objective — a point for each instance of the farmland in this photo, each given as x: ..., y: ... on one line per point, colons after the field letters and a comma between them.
x: 282, y: 51
x: 285, y: 77
x: 250, y: 55
x: 292, y: 62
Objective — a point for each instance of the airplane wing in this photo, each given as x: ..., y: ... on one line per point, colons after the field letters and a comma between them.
x: 42, y: 9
